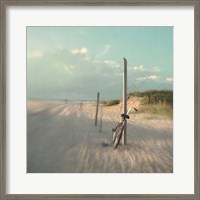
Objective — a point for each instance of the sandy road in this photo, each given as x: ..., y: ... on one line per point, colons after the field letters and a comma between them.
x: 62, y: 138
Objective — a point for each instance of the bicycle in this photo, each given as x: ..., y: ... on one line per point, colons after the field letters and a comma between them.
x: 117, y: 131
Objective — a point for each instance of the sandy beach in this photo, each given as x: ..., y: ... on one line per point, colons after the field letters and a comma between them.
x: 62, y: 138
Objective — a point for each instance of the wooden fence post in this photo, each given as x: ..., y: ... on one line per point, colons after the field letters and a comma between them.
x: 97, y: 107
x: 100, y: 129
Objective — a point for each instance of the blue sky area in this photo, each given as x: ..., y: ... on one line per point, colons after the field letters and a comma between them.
x: 77, y: 62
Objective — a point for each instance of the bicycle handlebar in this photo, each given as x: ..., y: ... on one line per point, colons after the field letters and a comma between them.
x: 126, y: 115
x: 130, y: 110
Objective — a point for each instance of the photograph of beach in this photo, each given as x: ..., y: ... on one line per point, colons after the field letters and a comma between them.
x: 85, y: 85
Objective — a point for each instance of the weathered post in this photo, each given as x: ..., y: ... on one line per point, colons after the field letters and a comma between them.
x: 124, y: 135
x: 97, y: 107
x: 100, y: 129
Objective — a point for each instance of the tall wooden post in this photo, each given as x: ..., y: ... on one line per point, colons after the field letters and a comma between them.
x: 97, y: 108
x: 124, y: 135
x: 100, y: 128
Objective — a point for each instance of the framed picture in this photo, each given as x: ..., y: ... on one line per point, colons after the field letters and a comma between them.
x: 99, y: 99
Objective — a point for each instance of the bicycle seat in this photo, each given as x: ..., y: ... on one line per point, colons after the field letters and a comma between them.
x: 125, y: 116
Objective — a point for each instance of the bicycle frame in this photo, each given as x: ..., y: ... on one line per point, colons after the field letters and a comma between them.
x: 119, y: 128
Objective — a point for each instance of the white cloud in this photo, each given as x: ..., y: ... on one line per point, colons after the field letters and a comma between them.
x: 169, y: 79
x: 141, y: 68
x: 156, y: 69
x: 137, y: 68
x: 81, y: 51
x: 154, y: 77
x: 35, y: 54
x: 67, y: 73
x: 105, y: 50
x: 112, y: 63
x: 62, y: 73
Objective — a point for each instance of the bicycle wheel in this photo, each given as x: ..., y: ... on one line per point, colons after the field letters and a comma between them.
x: 118, y: 136
x: 114, y: 137
x: 116, y: 130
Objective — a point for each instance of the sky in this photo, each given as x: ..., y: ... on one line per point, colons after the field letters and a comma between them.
x: 77, y: 62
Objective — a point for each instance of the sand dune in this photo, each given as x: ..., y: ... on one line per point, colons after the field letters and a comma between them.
x: 62, y: 138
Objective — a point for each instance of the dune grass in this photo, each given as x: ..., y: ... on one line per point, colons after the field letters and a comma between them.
x: 154, y: 111
x: 111, y: 102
